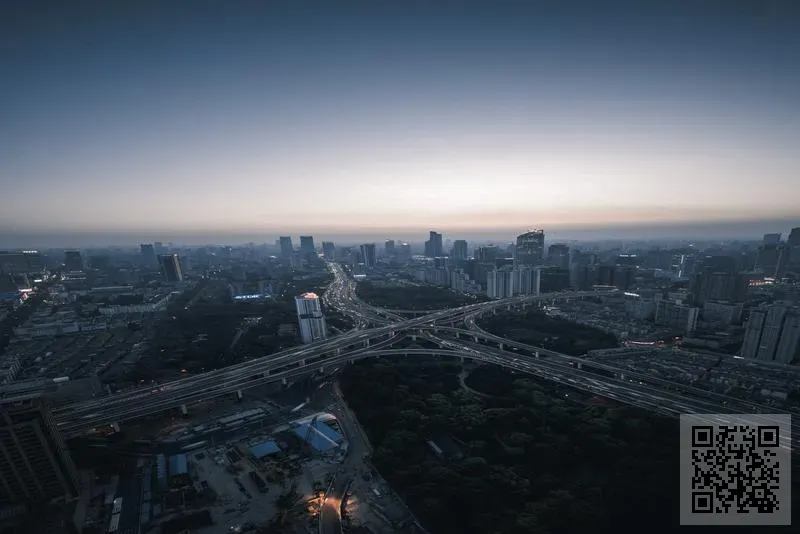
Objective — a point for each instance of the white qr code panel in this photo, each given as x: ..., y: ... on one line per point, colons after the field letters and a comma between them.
x: 735, y: 469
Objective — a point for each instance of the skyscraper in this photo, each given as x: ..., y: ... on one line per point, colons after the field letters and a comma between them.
x: 772, y: 239
x: 500, y: 283
x: 149, y: 255
x: 772, y: 334
x: 794, y: 237
x: 310, y: 318
x: 73, y: 261
x: 307, y: 249
x: 287, y: 249
x: 558, y: 255
x: 433, y: 246
x: 404, y: 253
x: 529, y: 249
x: 35, y: 466
x: 171, y: 267
x: 368, y: 255
x: 459, y: 249
x: 389, y: 248
x: 329, y: 250
x: 788, y: 350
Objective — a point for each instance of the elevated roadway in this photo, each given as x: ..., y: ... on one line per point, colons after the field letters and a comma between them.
x: 437, y: 327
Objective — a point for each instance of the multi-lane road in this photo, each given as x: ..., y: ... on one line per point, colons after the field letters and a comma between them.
x: 441, y: 327
x: 78, y: 417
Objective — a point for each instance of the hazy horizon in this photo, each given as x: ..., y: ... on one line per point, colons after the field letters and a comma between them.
x: 709, y: 231
x: 249, y: 118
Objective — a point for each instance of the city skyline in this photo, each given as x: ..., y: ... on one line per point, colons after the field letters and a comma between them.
x: 225, y: 119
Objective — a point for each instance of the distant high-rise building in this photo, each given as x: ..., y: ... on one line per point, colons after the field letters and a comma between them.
x: 527, y: 280
x: 389, y: 248
x: 285, y: 243
x: 310, y: 318
x: 794, y: 237
x: 529, y: 248
x: 772, y: 239
x: 487, y: 254
x: 772, y: 258
x: 329, y: 250
x: 772, y: 334
x: 788, y: 350
x: 558, y: 255
x: 433, y: 246
x: 404, y: 253
x: 459, y: 250
x: 171, y: 267
x: 676, y: 315
x: 752, y: 333
x: 19, y: 262
x: 307, y: 250
x: 73, y: 261
x: 149, y: 255
x: 793, y: 249
x: 500, y: 283
x: 368, y: 255
x: 35, y: 466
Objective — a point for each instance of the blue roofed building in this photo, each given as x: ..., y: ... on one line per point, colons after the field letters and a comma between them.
x: 179, y: 470
x: 264, y: 449
x: 319, y: 436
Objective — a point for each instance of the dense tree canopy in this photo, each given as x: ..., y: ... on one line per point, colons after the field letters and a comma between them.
x: 532, y: 460
x: 536, y: 328
x: 414, y: 297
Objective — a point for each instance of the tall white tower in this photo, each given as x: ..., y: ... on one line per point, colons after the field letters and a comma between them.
x: 310, y: 318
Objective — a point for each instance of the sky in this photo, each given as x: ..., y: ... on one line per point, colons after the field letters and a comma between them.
x: 166, y: 120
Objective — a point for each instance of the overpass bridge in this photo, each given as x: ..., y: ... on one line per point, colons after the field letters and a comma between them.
x: 438, y: 327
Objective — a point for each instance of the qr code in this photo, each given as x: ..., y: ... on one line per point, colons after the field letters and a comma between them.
x: 735, y: 469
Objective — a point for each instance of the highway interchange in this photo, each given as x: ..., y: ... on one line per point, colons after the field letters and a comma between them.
x: 452, y: 330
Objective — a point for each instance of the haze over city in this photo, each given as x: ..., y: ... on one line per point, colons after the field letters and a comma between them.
x: 200, y: 123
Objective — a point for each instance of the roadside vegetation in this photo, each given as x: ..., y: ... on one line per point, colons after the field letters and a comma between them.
x: 534, y: 327
x: 414, y: 297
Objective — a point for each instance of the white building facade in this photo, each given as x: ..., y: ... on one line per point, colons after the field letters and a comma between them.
x: 310, y: 318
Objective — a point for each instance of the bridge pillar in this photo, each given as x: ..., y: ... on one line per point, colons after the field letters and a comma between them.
x: 508, y: 308
x: 366, y: 342
x: 413, y: 337
x: 239, y: 394
x: 494, y: 311
x: 475, y: 339
x: 322, y: 369
x: 184, y: 410
x: 500, y: 346
x: 284, y: 382
x: 458, y: 336
x: 536, y: 354
x: 302, y: 363
x: 338, y: 351
x: 462, y: 359
x: 580, y: 365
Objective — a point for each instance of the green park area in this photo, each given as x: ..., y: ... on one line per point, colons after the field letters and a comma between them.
x: 414, y: 297
x: 528, y: 458
x: 534, y: 327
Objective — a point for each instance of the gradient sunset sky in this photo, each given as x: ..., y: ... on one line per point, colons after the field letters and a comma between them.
x: 177, y: 118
